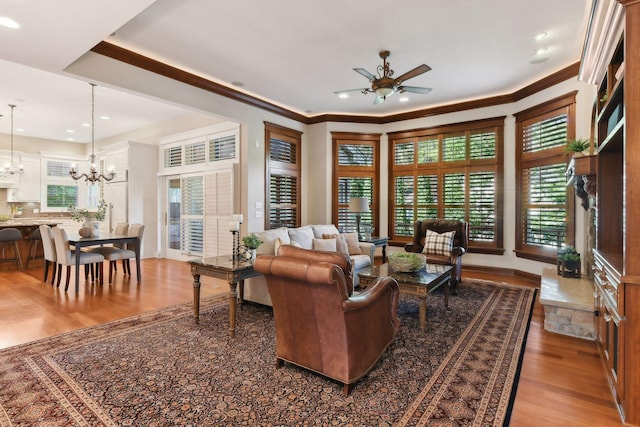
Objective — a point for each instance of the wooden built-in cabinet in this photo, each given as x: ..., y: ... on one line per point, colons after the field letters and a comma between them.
x: 614, y: 49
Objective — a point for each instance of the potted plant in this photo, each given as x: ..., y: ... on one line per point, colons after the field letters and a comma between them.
x: 89, y: 219
x: 252, y: 242
x: 569, y: 264
x: 578, y: 146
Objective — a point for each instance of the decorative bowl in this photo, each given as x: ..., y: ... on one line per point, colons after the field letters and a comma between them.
x: 407, y: 261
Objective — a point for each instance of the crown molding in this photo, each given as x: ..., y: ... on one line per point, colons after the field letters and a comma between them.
x: 137, y: 60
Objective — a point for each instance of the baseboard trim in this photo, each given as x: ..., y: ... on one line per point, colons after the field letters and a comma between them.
x: 534, y: 278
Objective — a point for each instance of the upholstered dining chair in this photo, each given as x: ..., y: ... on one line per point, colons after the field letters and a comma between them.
x: 49, y: 248
x: 10, y: 237
x: 115, y: 253
x: 319, y: 326
x: 67, y: 257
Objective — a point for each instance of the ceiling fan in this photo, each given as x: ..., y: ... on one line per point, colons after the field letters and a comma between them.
x: 384, y: 85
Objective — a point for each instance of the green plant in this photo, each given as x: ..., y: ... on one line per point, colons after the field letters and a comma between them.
x: 251, y: 241
x: 577, y: 146
x: 81, y: 215
x: 568, y: 253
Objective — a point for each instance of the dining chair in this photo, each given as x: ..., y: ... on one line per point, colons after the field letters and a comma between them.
x: 10, y: 236
x: 135, y: 230
x: 67, y: 257
x: 115, y: 252
x: 49, y: 248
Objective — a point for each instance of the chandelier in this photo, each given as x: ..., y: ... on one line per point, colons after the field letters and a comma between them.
x: 93, y: 175
x: 9, y: 168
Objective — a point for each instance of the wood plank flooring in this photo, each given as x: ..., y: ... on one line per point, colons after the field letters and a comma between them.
x: 562, y: 381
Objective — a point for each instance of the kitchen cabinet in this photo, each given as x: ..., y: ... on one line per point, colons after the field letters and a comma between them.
x: 27, y: 185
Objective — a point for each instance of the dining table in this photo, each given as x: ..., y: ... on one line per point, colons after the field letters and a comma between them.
x: 79, y: 242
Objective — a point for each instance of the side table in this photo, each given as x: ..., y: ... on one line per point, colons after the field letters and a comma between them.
x: 379, y: 241
x: 222, y: 267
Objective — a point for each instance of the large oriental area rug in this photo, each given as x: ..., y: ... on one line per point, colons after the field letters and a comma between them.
x: 161, y: 369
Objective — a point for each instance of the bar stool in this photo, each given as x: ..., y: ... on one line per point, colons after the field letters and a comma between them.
x: 11, y: 235
x: 34, y: 238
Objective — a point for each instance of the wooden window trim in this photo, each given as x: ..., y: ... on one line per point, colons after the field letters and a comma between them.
x: 272, y: 130
x: 549, y: 156
x: 440, y: 167
x: 373, y: 171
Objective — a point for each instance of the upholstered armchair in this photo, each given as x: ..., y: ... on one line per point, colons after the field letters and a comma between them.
x: 318, y: 325
x: 438, y: 253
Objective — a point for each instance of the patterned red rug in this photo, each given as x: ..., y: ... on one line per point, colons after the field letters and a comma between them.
x: 161, y: 369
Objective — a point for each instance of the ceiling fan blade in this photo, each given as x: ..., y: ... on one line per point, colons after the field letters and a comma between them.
x: 379, y: 100
x: 414, y: 89
x: 420, y: 69
x: 338, y: 92
x: 365, y: 73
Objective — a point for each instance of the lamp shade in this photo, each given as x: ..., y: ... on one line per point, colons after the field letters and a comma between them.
x: 384, y: 91
x: 359, y: 204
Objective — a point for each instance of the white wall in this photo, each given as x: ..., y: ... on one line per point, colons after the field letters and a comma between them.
x: 317, y: 163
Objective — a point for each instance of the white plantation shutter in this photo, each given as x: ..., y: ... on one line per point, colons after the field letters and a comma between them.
x: 222, y: 148
x: 173, y: 157
x: 192, y: 215
x: 219, y: 207
x: 194, y: 153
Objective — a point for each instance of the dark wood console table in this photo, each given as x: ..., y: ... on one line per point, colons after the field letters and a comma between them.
x: 222, y: 267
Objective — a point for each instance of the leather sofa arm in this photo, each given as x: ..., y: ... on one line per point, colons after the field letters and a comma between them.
x: 368, y: 249
x: 374, y: 291
x: 458, y: 251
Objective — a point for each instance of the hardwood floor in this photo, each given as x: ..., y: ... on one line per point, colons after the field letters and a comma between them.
x: 562, y: 382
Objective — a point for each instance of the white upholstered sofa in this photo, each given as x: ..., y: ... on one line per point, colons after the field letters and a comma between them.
x: 255, y: 289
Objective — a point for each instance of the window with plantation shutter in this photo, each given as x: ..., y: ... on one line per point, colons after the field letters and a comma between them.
x: 194, y: 153
x: 222, y: 148
x: 355, y: 174
x: 451, y: 172
x: 173, y: 157
x: 283, y: 168
x: 544, y: 208
x: 192, y: 215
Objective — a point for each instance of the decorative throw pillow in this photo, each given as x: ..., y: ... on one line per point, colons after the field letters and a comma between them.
x: 353, y: 244
x: 328, y: 245
x: 438, y: 243
x: 341, y: 242
x: 303, y: 235
x: 276, y: 246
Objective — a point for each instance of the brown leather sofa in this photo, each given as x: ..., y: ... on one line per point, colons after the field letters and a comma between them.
x: 460, y: 244
x: 319, y: 326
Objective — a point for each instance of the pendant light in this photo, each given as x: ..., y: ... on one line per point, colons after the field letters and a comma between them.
x: 93, y: 176
x: 9, y: 168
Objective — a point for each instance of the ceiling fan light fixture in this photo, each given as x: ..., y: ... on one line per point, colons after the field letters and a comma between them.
x: 384, y: 91
x: 343, y: 95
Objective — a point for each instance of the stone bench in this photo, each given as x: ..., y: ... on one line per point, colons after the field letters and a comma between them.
x: 568, y: 305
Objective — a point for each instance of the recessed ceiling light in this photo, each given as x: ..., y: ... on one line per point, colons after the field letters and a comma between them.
x: 539, y: 60
x: 70, y: 139
x: 9, y: 23
x: 541, y: 50
x: 540, y: 36
x: 87, y: 125
x: 238, y: 84
x: 104, y: 117
x: 70, y: 131
x: 404, y: 99
x: 19, y: 130
x: 343, y: 95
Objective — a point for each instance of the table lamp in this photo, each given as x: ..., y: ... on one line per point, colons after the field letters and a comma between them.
x: 359, y: 205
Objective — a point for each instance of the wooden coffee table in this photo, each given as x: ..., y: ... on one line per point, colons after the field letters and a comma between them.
x: 420, y: 283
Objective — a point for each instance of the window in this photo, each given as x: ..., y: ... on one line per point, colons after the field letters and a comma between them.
x: 60, y: 190
x: 451, y: 172
x: 544, y: 202
x: 192, y: 215
x: 283, y: 154
x: 356, y: 173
